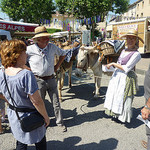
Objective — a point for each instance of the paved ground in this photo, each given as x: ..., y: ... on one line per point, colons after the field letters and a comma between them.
x: 143, y: 64
x: 88, y: 127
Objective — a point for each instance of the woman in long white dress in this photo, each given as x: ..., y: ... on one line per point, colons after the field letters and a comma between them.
x: 122, y: 85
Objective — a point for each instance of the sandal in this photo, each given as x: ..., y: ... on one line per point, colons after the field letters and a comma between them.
x: 144, y: 144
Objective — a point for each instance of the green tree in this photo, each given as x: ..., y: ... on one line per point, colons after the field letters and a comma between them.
x: 61, y: 6
x: 29, y: 10
x: 89, y: 8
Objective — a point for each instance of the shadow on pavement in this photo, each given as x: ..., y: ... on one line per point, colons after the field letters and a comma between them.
x: 147, y: 55
x: 72, y: 118
x: 78, y: 91
x: 134, y: 121
x: 70, y: 143
x: 82, y: 118
x: 140, y: 92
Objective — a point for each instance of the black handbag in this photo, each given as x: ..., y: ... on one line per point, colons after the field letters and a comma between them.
x: 29, y: 122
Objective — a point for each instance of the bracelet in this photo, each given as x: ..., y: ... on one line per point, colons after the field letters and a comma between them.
x: 147, y: 107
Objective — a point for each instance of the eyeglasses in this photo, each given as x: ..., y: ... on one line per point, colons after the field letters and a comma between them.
x: 131, y: 38
x: 44, y: 38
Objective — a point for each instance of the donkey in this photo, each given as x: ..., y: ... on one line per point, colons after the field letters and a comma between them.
x: 65, y: 67
x: 90, y: 57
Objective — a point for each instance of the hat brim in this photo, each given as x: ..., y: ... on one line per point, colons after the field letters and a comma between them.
x: 125, y: 36
x: 41, y: 35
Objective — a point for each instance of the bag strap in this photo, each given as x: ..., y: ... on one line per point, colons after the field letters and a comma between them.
x: 13, y: 106
x: 11, y: 97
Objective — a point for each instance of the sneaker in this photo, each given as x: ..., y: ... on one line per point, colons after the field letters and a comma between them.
x: 144, y: 144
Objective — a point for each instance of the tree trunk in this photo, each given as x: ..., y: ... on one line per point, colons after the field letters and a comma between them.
x: 92, y: 31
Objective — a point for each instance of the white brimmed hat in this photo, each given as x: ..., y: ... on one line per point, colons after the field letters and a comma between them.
x: 40, y: 32
x: 133, y: 33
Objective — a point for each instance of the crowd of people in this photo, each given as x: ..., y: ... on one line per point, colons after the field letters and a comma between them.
x: 30, y: 69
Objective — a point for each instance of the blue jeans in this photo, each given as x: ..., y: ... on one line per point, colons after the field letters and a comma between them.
x: 39, y: 146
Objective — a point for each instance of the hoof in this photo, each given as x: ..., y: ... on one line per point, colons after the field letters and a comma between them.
x: 78, y: 72
x: 60, y: 100
x: 96, y: 95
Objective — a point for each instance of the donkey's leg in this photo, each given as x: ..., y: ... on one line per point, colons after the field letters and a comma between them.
x: 62, y: 80
x: 97, y: 86
x: 60, y: 87
x: 69, y: 76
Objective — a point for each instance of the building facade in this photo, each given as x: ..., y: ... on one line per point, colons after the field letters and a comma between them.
x: 139, y: 9
x: 62, y: 22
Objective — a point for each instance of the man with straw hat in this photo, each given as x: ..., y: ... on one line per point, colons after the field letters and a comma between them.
x: 41, y: 61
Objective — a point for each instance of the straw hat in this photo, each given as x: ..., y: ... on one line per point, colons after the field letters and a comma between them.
x: 40, y: 32
x: 133, y: 33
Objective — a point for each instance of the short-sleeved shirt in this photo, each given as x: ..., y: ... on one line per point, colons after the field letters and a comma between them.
x: 41, y: 61
x: 20, y: 86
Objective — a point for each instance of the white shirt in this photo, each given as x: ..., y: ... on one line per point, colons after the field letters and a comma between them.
x: 132, y: 61
x: 42, y: 60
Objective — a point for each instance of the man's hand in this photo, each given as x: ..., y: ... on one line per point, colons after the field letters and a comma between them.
x: 56, y: 68
x: 145, y: 113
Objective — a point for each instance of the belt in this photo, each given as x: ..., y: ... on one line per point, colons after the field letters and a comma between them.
x: 45, y: 77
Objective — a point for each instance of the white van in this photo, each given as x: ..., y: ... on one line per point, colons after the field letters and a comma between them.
x: 5, y: 35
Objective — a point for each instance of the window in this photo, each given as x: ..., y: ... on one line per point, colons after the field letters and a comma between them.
x: 143, y: 4
x: 109, y: 34
x: 138, y: 7
x: 141, y: 14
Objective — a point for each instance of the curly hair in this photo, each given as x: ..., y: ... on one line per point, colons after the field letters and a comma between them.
x: 10, y: 51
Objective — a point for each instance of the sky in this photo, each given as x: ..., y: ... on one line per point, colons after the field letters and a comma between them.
x: 132, y: 1
x: 5, y: 17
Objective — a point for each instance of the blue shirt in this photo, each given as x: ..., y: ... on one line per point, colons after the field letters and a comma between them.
x: 20, y: 86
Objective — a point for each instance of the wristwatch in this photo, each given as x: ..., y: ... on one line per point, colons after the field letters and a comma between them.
x: 147, y: 107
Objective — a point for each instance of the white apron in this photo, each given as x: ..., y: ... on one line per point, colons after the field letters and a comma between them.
x: 115, y: 92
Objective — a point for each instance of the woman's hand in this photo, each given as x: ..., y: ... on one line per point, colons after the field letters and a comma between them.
x: 109, y: 65
x: 47, y: 121
x: 115, y: 65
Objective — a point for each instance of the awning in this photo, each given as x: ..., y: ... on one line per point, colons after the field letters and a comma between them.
x: 20, y: 34
x: 20, y: 26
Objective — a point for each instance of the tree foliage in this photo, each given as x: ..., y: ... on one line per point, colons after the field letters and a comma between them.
x: 61, y: 6
x: 90, y: 8
x: 29, y: 10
